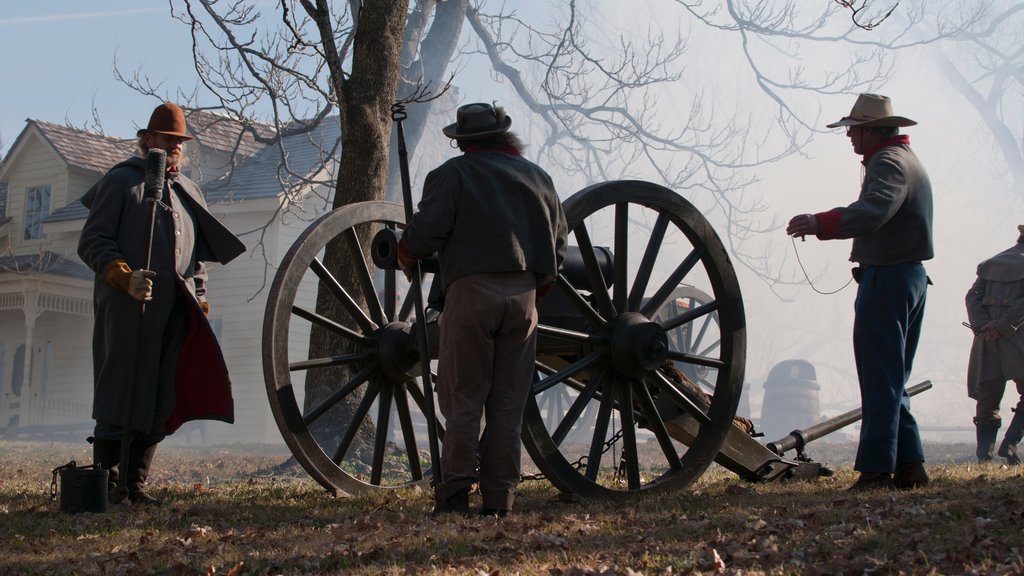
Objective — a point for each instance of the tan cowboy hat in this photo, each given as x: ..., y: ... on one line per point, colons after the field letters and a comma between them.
x: 167, y: 118
x: 872, y: 110
x: 477, y: 121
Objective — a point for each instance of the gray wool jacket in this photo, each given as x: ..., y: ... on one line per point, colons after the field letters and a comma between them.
x: 891, y: 221
x: 489, y: 211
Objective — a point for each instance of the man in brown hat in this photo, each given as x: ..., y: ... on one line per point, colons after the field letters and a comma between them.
x: 495, y: 221
x: 995, y: 306
x: 151, y: 340
x: 891, y: 227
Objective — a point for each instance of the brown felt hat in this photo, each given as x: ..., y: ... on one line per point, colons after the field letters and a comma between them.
x: 477, y: 121
x: 872, y: 110
x: 167, y: 118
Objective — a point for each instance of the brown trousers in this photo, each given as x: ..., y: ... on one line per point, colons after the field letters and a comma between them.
x: 485, y: 368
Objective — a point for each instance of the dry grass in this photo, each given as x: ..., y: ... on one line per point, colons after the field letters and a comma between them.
x: 225, y: 514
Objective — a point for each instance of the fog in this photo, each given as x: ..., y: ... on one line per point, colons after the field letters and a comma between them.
x: 976, y: 213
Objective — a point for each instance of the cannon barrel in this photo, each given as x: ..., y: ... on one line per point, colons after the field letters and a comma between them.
x: 384, y: 253
x: 797, y: 439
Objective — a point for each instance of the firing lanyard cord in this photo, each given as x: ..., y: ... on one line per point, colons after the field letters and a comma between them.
x: 804, y: 270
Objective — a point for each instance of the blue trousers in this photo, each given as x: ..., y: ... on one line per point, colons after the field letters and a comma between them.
x: 889, y: 310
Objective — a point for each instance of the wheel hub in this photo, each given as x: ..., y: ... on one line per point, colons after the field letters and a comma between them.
x: 636, y: 344
x: 396, y: 351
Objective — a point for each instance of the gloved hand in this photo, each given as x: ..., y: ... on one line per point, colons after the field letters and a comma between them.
x: 205, y: 307
x: 405, y: 260
x: 140, y: 285
x: 136, y: 283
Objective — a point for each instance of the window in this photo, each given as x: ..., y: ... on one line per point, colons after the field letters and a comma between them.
x: 37, y: 206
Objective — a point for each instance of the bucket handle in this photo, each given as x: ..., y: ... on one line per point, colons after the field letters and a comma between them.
x: 53, y: 483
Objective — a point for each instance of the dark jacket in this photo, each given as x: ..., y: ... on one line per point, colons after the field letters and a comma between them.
x: 185, y: 235
x: 489, y: 211
x: 997, y: 295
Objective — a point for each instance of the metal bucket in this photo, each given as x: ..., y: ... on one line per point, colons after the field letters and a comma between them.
x: 82, y: 489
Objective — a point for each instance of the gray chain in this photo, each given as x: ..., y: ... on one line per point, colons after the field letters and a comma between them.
x: 582, y: 460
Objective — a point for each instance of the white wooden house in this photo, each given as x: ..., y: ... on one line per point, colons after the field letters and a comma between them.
x: 46, y: 292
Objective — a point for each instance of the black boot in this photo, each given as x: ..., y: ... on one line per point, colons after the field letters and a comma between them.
x: 1014, y: 434
x: 140, y: 459
x: 107, y: 453
x: 987, y: 431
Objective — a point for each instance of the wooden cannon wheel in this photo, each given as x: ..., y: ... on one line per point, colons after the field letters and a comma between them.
x: 377, y: 375
x: 613, y: 362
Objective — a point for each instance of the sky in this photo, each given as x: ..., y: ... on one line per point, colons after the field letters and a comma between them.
x: 71, y: 50
x: 59, y: 65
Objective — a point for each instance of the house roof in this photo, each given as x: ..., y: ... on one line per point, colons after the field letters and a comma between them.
x: 88, y: 150
x: 223, y: 133
x: 45, y: 263
x: 261, y: 176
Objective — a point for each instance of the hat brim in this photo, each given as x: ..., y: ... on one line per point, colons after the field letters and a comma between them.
x: 452, y: 131
x: 890, y: 121
x: 144, y: 131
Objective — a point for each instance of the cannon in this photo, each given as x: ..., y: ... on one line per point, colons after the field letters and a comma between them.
x: 639, y: 365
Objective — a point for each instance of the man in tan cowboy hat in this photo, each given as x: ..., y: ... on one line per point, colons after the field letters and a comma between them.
x: 995, y: 306
x: 891, y: 227
x: 495, y: 221
x: 168, y: 362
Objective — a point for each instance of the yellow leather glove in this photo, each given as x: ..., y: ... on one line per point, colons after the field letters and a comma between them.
x: 137, y: 283
x: 118, y: 273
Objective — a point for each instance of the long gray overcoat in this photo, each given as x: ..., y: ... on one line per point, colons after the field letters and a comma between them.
x: 997, y: 295
x: 174, y: 339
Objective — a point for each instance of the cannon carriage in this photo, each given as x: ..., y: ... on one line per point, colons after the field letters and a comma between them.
x: 639, y: 367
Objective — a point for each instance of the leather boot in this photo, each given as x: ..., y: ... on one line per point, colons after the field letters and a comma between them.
x: 1014, y: 434
x: 987, y: 431
x: 140, y: 459
x: 107, y: 453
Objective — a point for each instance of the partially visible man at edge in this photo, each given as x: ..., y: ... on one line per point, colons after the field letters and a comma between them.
x: 497, y: 225
x: 891, y: 227
x: 995, y: 307
x: 169, y: 354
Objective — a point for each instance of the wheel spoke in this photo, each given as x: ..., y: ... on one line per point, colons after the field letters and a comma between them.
x: 380, y: 440
x: 567, y: 372
x: 365, y: 278
x: 592, y: 316
x: 689, y: 316
x: 327, y: 323
x: 680, y: 398
x: 621, y: 255
x: 594, y: 275
x: 326, y: 404
x: 408, y: 433
x: 330, y: 361
x: 372, y: 391
x: 663, y: 293
x: 343, y: 296
x: 656, y: 425
x: 562, y: 333
x: 604, y: 414
x: 694, y: 359
x: 578, y: 406
x: 629, y: 447
x: 643, y: 274
x: 420, y: 400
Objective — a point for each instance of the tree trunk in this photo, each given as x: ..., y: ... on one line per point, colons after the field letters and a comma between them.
x: 364, y: 101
